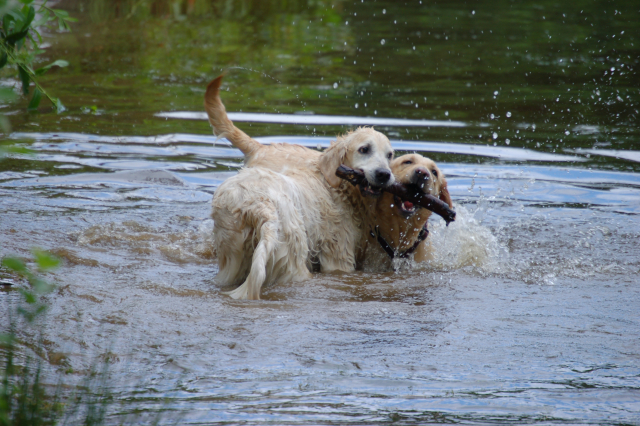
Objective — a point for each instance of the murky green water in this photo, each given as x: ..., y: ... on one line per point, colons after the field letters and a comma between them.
x: 529, y: 313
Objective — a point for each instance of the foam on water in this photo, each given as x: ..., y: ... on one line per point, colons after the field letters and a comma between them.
x: 465, y: 243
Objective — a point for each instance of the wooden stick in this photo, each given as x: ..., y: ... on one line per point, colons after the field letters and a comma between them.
x: 427, y: 201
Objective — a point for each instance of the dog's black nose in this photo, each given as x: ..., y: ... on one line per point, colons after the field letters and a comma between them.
x: 421, y: 174
x: 382, y: 176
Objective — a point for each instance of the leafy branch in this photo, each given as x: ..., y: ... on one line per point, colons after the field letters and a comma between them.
x: 20, y: 43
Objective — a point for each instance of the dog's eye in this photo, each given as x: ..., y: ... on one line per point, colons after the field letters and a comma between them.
x: 364, y: 149
x: 435, y: 172
x: 390, y: 155
x: 407, y: 162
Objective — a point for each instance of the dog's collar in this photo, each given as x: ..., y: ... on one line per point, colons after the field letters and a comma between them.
x: 424, y: 232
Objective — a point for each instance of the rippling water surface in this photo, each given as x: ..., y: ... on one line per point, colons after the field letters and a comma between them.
x: 529, y: 312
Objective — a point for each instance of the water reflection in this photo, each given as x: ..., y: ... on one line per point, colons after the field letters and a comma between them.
x: 569, y: 73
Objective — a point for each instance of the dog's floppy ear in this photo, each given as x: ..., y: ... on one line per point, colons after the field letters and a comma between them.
x: 330, y: 160
x: 444, y: 193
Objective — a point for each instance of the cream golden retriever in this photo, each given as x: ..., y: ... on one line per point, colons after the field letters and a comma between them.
x: 286, y: 212
x: 400, y: 227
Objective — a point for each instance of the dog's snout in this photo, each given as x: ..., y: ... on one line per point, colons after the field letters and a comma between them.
x: 382, y: 176
x: 421, y: 174
x: 420, y: 177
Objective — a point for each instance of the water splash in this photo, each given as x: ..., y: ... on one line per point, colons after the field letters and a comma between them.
x: 465, y: 243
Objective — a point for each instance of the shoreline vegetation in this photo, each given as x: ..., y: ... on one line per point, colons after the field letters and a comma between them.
x: 21, y: 42
x: 26, y: 396
x: 33, y: 391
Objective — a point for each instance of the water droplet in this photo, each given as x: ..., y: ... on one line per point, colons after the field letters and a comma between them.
x: 446, y: 113
x: 566, y: 132
x: 492, y: 116
x: 495, y: 135
x: 495, y: 93
x: 507, y: 141
x: 384, y: 11
x: 335, y: 85
x: 382, y: 42
x: 473, y: 12
x: 508, y: 114
x: 356, y: 105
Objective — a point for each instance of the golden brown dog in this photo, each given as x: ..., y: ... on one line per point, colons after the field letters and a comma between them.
x: 401, y: 227
x: 287, y: 211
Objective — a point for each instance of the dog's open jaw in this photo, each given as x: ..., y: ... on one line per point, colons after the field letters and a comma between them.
x: 407, y: 208
x: 368, y: 190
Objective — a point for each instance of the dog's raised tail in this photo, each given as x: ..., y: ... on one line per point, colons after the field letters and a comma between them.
x: 222, y: 126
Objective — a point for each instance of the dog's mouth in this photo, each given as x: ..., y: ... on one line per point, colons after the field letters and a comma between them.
x: 368, y: 190
x: 405, y: 208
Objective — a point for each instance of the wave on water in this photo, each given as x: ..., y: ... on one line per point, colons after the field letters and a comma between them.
x: 182, y: 144
x: 175, y: 245
x: 306, y: 119
x: 465, y: 243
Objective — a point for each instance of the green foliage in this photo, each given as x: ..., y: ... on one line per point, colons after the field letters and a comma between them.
x: 20, y: 42
x: 23, y: 397
x: 37, y: 286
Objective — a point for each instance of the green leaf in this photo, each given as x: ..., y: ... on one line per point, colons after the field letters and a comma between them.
x: 29, y: 297
x: 62, y: 14
x: 17, y: 15
x: 44, y: 259
x: 59, y: 107
x: 41, y: 286
x: 44, y: 18
x: 6, y: 23
x: 14, y: 264
x: 59, y: 63
x: 35, y: 100
x: 33, y: 40
x: 25, y: 78
x: 30, y: 14
x: 12, y: 39
x: 3, y: 59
